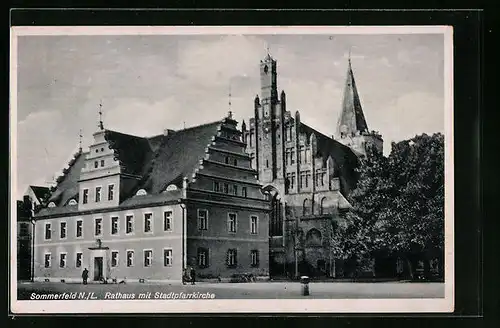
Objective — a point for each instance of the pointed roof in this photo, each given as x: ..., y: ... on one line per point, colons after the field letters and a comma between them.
x: 352, y: 114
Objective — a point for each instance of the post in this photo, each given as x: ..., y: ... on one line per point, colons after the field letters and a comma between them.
x: 33, y: 250
x: 304, y: 281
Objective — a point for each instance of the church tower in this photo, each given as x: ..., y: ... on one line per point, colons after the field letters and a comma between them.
x: 352, y: 129
x: 269, y: 115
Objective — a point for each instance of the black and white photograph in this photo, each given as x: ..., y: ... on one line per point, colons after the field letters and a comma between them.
x: 231, y: 169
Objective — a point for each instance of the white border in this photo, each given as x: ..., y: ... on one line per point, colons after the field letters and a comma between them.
x: 260, y: 305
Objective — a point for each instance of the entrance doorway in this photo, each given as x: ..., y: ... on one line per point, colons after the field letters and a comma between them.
x: 98, y: 268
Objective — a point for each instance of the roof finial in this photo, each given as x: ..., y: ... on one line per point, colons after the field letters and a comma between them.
x: 229, y: 97
x: 80, y: 142
x: 349, y: 58
x: 101, y: 125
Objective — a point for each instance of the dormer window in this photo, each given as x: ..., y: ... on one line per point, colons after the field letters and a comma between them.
x: 72, y: 202
x: 141, y: 192
x: 171, y: 187
x: 52, y: 204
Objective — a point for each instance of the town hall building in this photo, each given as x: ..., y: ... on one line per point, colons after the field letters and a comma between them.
x: 143, y: 209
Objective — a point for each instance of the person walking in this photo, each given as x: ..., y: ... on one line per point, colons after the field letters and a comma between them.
x: 85, y: 275
x: 193, y: 276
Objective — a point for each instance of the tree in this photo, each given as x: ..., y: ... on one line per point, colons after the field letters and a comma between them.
x: 398, y: 203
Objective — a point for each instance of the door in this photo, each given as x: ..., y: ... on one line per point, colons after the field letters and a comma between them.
x: 98, y: 268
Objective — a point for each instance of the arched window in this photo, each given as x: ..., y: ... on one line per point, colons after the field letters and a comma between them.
x: 313, y: 237
x: 306, y: 208
x: 322, y: 206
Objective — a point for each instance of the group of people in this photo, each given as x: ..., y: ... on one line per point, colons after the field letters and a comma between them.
x: 188, y: 275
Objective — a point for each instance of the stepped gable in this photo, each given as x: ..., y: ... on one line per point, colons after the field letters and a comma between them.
x: 177, y: 157
x: 343, y: 157
x: 67, y: 184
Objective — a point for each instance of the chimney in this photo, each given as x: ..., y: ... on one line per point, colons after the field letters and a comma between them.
x: 167, y: 132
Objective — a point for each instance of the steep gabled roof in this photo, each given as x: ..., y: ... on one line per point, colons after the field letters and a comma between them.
x: 178, y: 156
x: 351, y: 117
x: 131, y: 151
x: 343, y: 157
x: 67, y: 186
x: 40, y: 192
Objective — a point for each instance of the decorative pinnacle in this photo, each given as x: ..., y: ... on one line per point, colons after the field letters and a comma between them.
x: 80, y: 142
x: 229, y: 97
x: 101, y: 125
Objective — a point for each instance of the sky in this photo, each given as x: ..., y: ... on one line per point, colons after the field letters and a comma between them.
x: 148, y: 83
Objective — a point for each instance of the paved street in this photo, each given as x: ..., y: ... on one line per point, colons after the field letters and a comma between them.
x: 258, y: 290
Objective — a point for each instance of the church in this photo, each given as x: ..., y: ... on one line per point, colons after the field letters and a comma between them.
x: 261, y: 200
x: 307, y: 174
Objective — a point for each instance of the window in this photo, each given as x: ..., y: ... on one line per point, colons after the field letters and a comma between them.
x: 216, y: 186
x: 114, y: 225
x: 226, y: 188
x: 96, y: 163
x: 227, y: 160
x: 267, y: 163
x: 292, y: 156
x: 320, y: 177
x: 202, y: 219
x: 167, y: 221
x: 48, y: 231
x: 304, y: 179
x: 114, y: 259
x: 129, y: 222
x: 130, y: 258
x: 47, y: 260
x: 301, y: 154
x: 251, y: 138
x: 79, y: 228
x: 111, y: 192
x: 102, y: 162
x: 62, y: 260
x: 287, y: 156
x: 252, y: 160
x: 244, y: 191
x: 232, y: 259
x: 235, y: 162
x: 291, y: 180
x: 254, y: 258
x: 254, y: 225
x: 98, y: 194
x: 98, y: 227
x: 148, y: 258
x: 85, y: 198
x: 235, y: 190
x: 102, y: 149
x: 167, y: 257
x: 62, y: 232
x: 202, y: 257
x: 78, y: 260
x: 231, y: 222
x: 307, y: 154
x: 148, y: 222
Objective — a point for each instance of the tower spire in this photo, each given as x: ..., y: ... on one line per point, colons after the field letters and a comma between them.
x: 352, y: 119
x: 101, y: 124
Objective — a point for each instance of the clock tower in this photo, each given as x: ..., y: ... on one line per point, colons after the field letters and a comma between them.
x: 269, y: 115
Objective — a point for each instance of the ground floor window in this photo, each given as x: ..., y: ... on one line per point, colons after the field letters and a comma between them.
x: 47, y: 260
x: 114, y: 258
x: 148, y: 257
x: 202, y: 257
x: 254, y: 258
x: 232, y: 258
x: 62, y: 260
x: 79, y: 257
x: 130, y: 258
x: 167, y: 257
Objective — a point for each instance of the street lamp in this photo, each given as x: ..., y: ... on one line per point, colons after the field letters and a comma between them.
x: 33, y: 250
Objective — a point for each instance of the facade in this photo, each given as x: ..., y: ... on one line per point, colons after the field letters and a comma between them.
x: 133, y: 208
x: 307, y: 174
